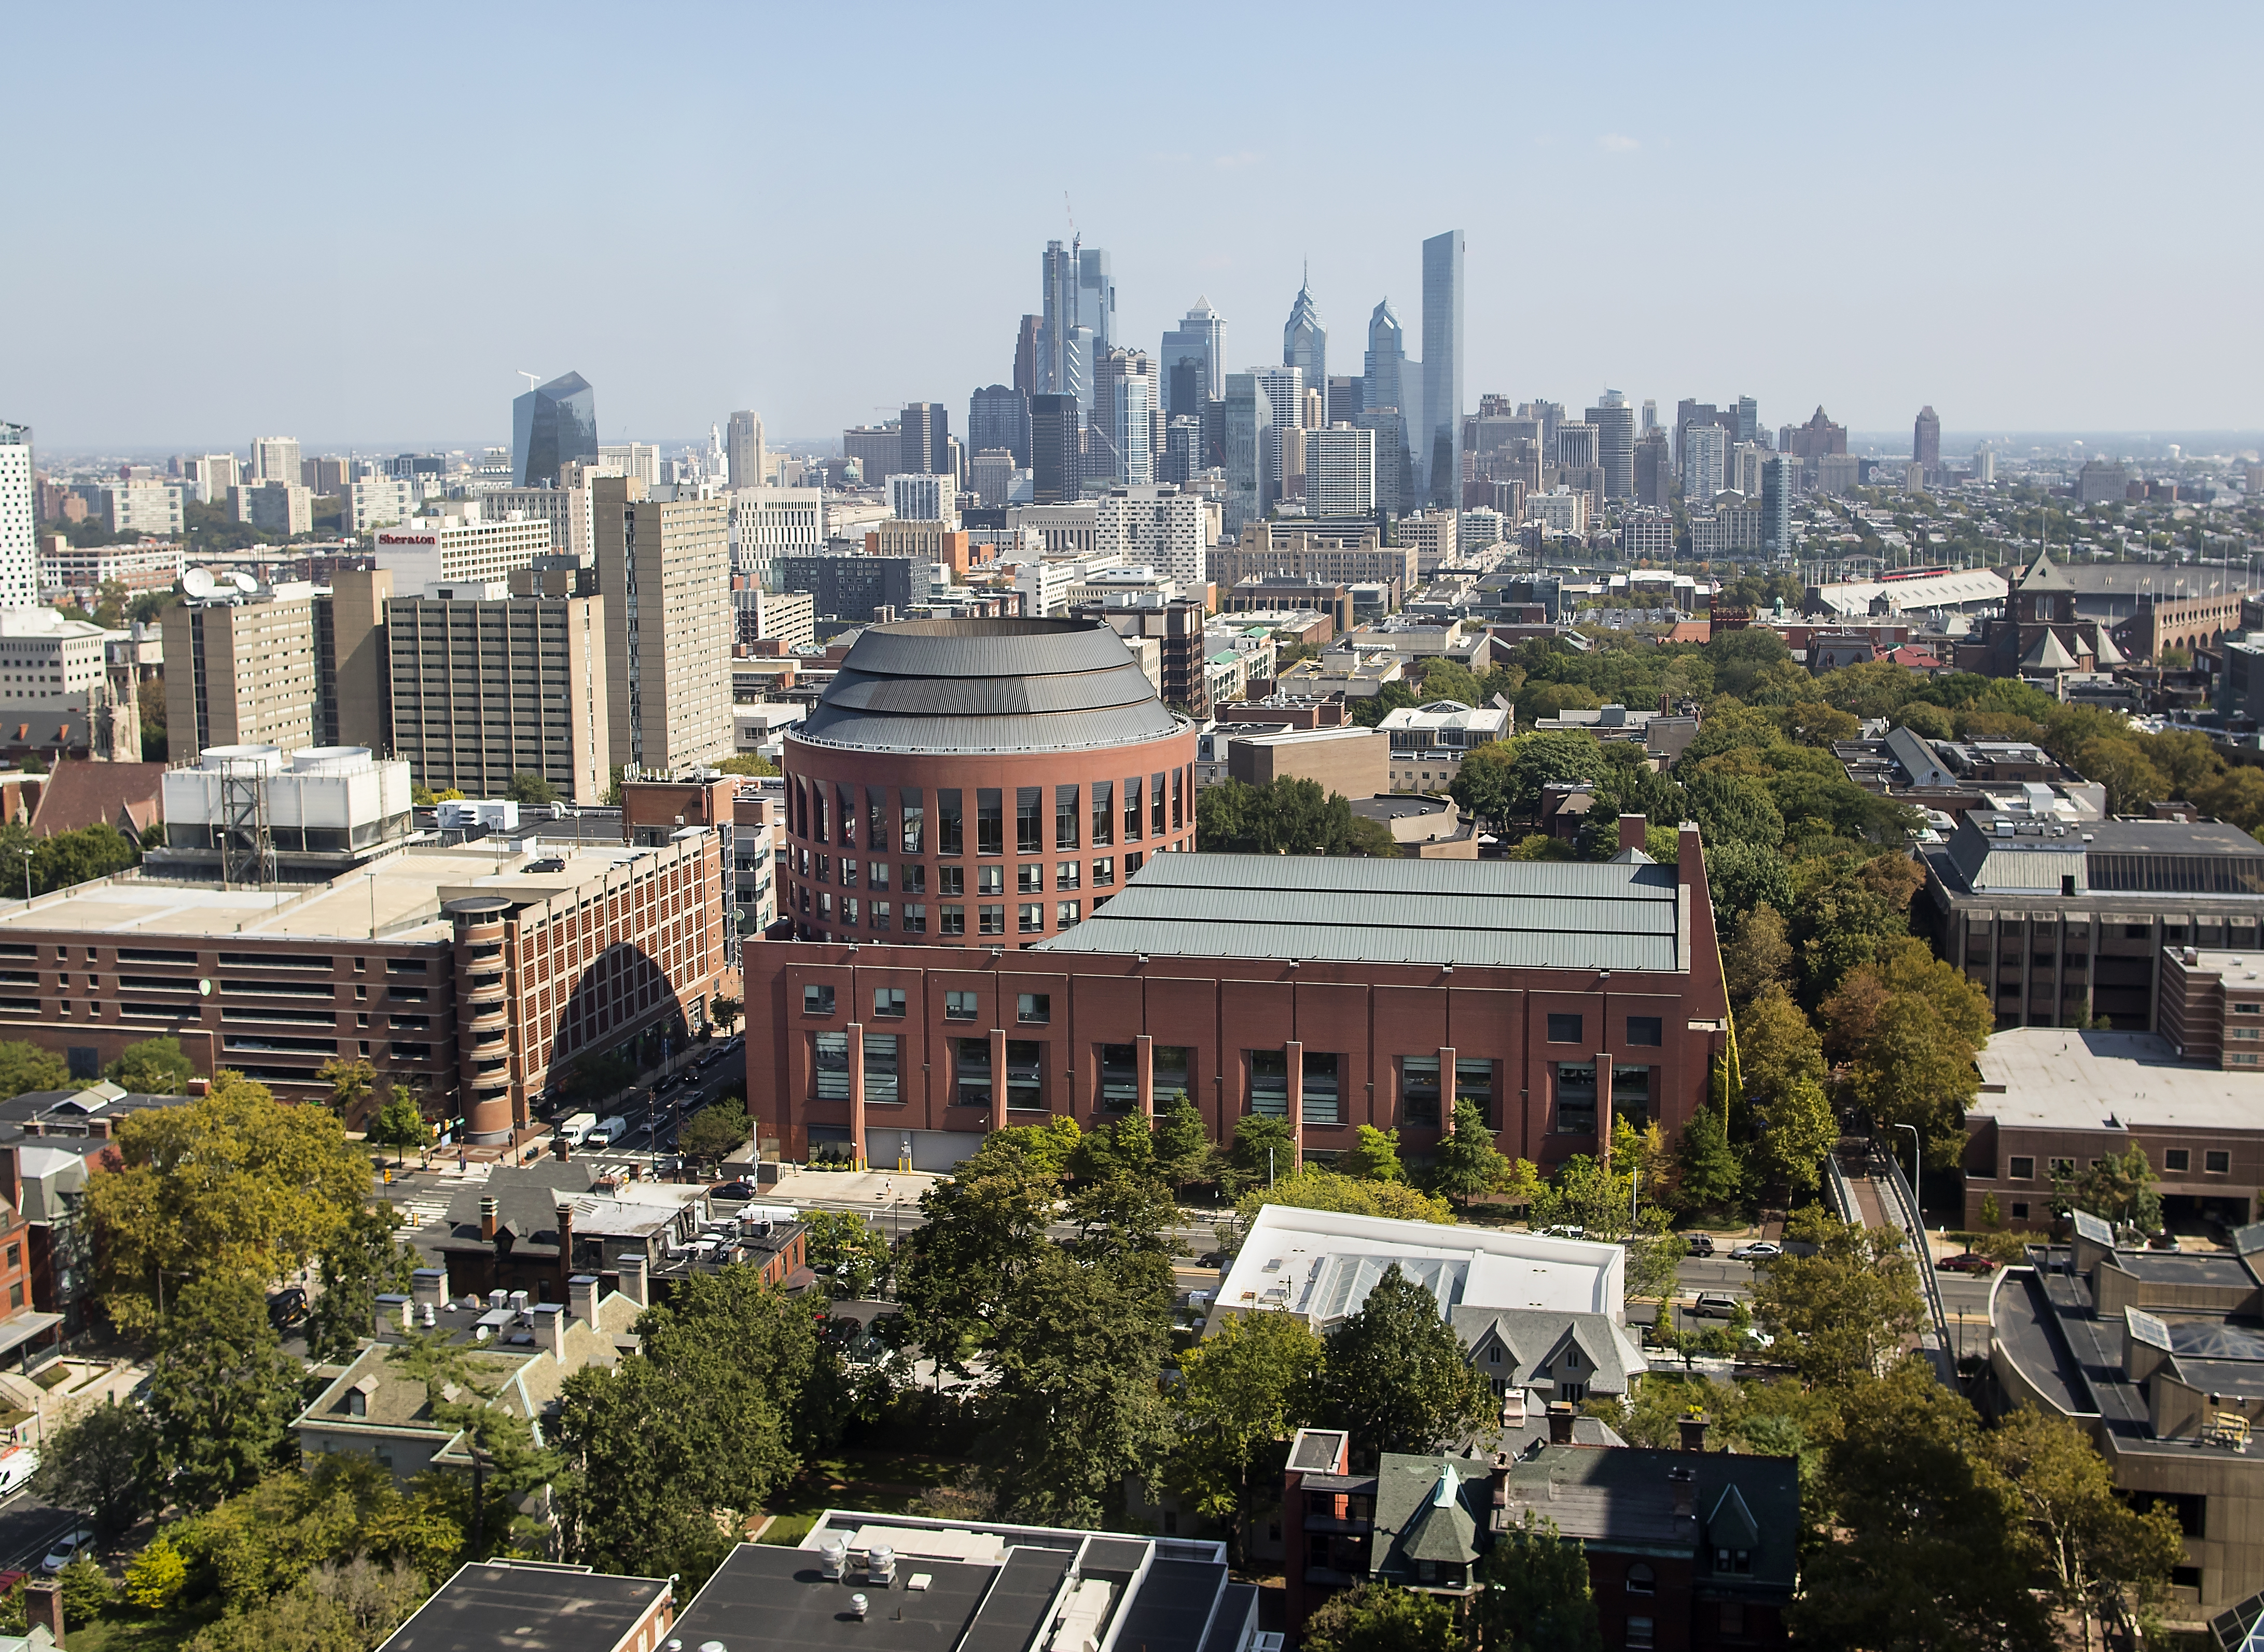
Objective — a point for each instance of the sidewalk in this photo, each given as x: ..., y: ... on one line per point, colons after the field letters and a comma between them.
x: 877, y: 1188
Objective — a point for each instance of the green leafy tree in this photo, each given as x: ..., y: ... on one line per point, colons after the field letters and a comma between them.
x: 1374, y: 1156
x: 1849, y: 1306
x: 79, y: 856
x: 530, y: 790
x: 1709, y: 1176
x: 1396, y: 1376
x: 1289, y: 816
x: 985, y: 1227
x: 1242, y: 1394
x: 156, y: 1575
x: 231, y: 1184
x: 1381, y: 1616
x: 1264, y: 1149
x: 713, y: 1134
x: 363, y: 1259
x: 1735, y: 808
x: 1182, y: 1141
x: 1483, y: 786
x: 748, y: 763
x: 1534, y: 1592
x: 2120, y: 1187
x: 222, y: 1392
x: 353, y: 1080
x: 1745, y: 876
x: 1914, y: 1537
x: 152, y: 1066
x: 86, y: 1590
x: 1538, y: 760
x: 1123, y: 1146
x: 1466, y: 1162
x: 1798, y: 1127
x: 1909, y: 1025
x: 399, y: 1121
x: 726, y: 1011
x: 1313, y: 1188
x: 98, y: 1461
x: 25, y: 1068
x: 845, y: 1251
x: 2102, y: 1551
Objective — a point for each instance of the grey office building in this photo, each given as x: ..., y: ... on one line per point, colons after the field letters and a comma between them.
x: 1193, y: 361
x: 851, y: 587
x: 1305, y: 341
x: 1443, y: 340
x: 1250, y: 484
x: 924, y: 433
x: 1056, y: 449
x: 552, y: 425
x: 1614, y: 422
x: 998, y: 416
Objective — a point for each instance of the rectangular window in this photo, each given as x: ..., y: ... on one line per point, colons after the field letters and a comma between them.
x: 1474, y: 1082
x: 818, y: 1001
x: 1131, y: 864
x: 1154, y: 805
x: 1120, y: 1077
x: 845, y: 805
x: 877, y: 818
x: 817, y: 806
x: 971, y: 1064
x: 1319, y: 1102
x: 1575, y: 1113
x: 825, y: 868
x: 990, y: 880
x: 1177, y: 817
x: 877, y: 875
x: 1104, y: 873
x: 1065, y: 820
x: 829, y: 1065
x: 950, y: 826
x: 1066, y: 874
x: 915, y: 820
x: 1418, y: 1090
x: 1168, y: 1066
x: 880, y: 918
x: 849, y: 914
x: 951, y: 880
x: 989, y: 821
x: 1565, y: 1029
x: 1033, y: 1008
x: 848, y: 873
x: 1645, y: 1031
x: 824, y: 906
x: 881, y: 1068
x: 1269, y: 1083
x: 2173, y: 1159
x: 2024, y: 1170
x: 951, y: 920
x: 1026, y: 1060
x: 1030, y: 878
x: 1066, y: 915
x: 1641, y: 1633
x: 1030, y: 917
x: 914, y: 880
x: 1029, y: 824
x: 2217, y: 1162
x: 1132, y: 809
x: 2062, y: 1167
x: 889, y: 1003
x: 993, y: 920
x: 915, y: 919
x: 2020, y: 1210
x: 1733, y: 1617
x: 959, y: 1006
x: 1104, y: 821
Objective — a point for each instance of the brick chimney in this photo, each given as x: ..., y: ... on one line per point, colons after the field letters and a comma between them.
x: 1694, y: 1432
x: 1560, y: 1423
x: 566, y: 1239
x: 491, y: 1216
x: 1632, y: 827
x: 43, y: 1605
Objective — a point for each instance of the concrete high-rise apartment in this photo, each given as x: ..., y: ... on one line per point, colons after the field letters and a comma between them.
x: 275, y: 459
x: 1780, y: 480
x: 1984, y: 470
x: 1154, y: 527
x: 923, y: 498
x: 878, y: 449
x: 1125, y: 398
x: 663, y: 569
x: 286, y: 666
x: 1182, y: 459
x: 1650, y: 415
x: 924, y: 437
x: 772, y: 522
x: 1705, y: 463
x: 560, y: 508
x: 1653, y: 469
x: 1249, y: 480
x: 1748, y: 417
x: 1304, y: 340
x: 998, y: 416
x: 1194, y: 361
x: 384, y: 501
x: 19, y: 519
x: 743, y: 449
x: 327, y: 476
x: 1577, y: 445
x: 274, y: 507
x: 156, y: 508
x: 1026, y: 354
x: 1056, y: 449
x: 1746, y: 462
x: 551, y: 426
x: 460, y: 550
x: 990, y: 475
x: 1614, y: 422
x: 210, y: 475
x: 1339, y: 473
x: 536, y: 703
x: 1443, y: 338
x: 1925, y: 443
x: 641, y: 459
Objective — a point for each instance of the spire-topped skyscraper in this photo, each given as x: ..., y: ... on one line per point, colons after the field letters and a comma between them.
x: 1304, y: 341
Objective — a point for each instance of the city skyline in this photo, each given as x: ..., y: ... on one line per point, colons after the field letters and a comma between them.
x: 1930, y: 248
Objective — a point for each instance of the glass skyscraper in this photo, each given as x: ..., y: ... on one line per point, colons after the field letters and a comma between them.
x: 1304, y: 340
x: 1194, y: 361
x: 1249, y: 486
x: 1614, y: 422
x: 1096, y: 300
x: 1384, y: 397
x: 998, y: 416
x: 551, y: 426
x: 1779, y: 477
x: 1442, y: 367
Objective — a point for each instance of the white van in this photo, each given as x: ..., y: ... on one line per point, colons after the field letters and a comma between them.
x: 17, y: 1465
x: 603, y: 1135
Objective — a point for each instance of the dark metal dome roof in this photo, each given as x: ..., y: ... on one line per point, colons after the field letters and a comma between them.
x: 988, y: 685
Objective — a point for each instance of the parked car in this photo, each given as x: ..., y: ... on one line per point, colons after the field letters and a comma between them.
x: 1966, y: 1262
x: 1212, y: 1260
x: 733, y: 1189
x: 1714, y: 1304
x: 1758, y: 1250
x: 1702, y: 1244
x: 66, y: 1549
x: 1564, y: 1232
x: 288, y: 1308
x: 18, y: 1463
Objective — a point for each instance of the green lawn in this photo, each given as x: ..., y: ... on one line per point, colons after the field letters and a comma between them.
x: 125, y: 1628
x: 884, y: 1481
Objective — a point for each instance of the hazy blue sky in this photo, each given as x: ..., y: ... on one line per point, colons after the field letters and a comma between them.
x: 354, y: 224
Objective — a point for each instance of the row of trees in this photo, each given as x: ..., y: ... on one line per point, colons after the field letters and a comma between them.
x: 1285, y: 817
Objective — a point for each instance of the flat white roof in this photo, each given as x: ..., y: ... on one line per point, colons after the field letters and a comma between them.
x: 1320, y: 1264
x: 2062, y: 1078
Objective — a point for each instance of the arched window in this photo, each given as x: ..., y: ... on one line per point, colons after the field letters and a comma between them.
x: 1641, y: 1580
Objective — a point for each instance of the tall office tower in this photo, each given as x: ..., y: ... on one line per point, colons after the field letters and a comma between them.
x: 991, y: 477
x: 1614, y: 422
x: 1925, y: 443
x: 1026, y: 354
x: 924, y: 433
x: 664, y: 570
x: 1285, y: 392
x: 1058, y: 320
x: 275, y: 459
x: 1125, y: 397
x: 1442, y: 367
x: 1577, y: 445
x: 1779, y: 477
x: 1182, y: 459
x: 19, y: 519
x: 1705, y: 463
x: 878, y: 449
x: 1749, y: 420
x: 1194, y: 361
x: 1339, y: 472
x: 1650, y: 415
x: 1344, y: 398
x: 744, y: 449
x: 1653, y: 471
x: 551, y: 426
x: 1249, y: 480
x: 1096, y: 299
x: 1384, y: 382
x: 1304, y: 340
x: 998, y: 416
x: 1056, y: 449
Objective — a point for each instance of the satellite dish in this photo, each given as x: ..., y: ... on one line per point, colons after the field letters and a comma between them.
x: 244, y: 582
x: 198, y: 582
